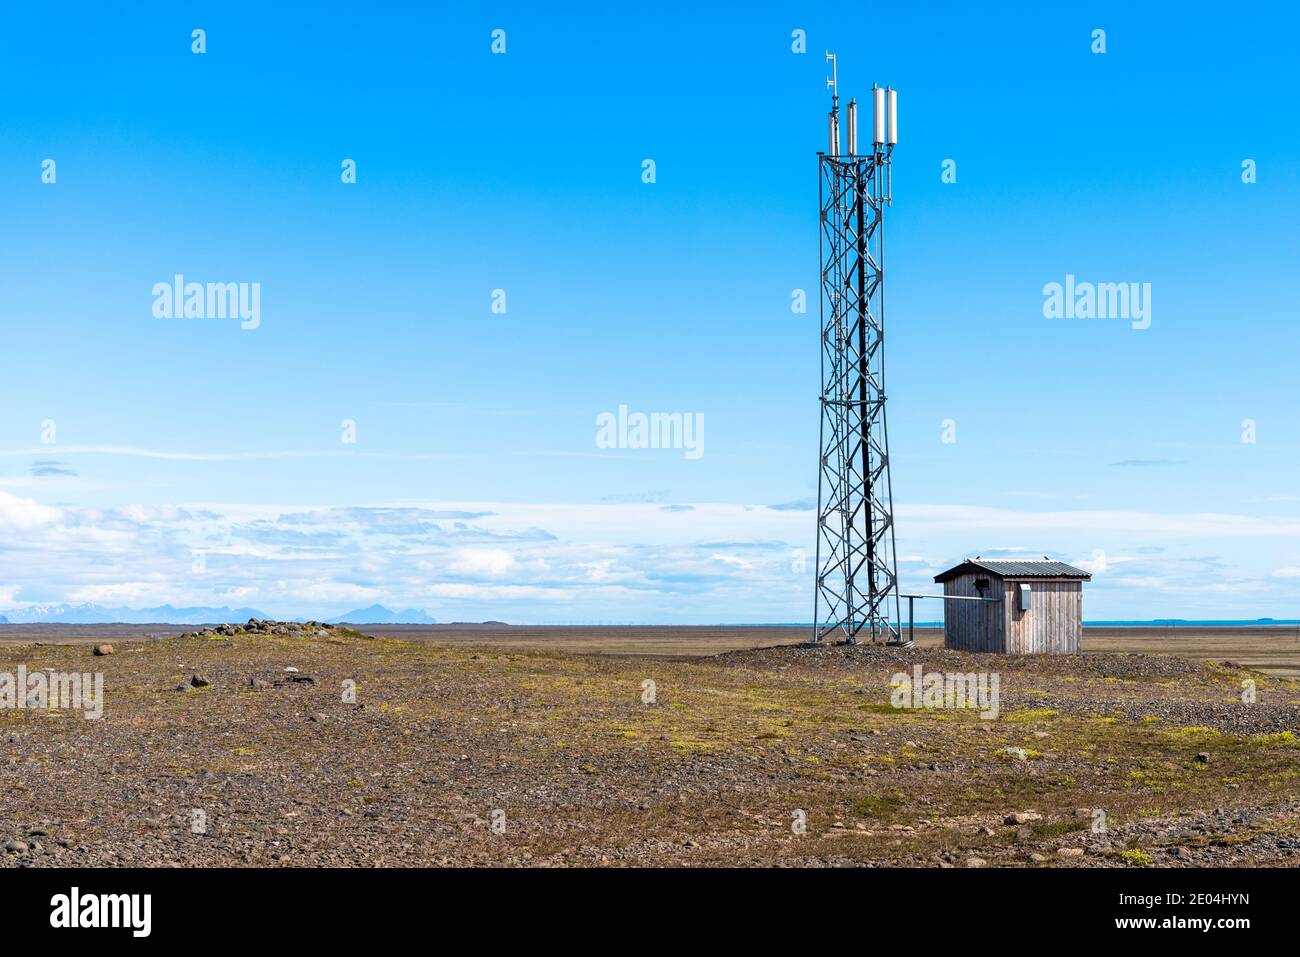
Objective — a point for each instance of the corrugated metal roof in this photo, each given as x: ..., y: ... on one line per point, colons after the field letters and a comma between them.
x: 1043, y: 568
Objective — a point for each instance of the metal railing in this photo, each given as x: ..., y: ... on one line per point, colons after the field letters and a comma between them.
x: 911, y: 608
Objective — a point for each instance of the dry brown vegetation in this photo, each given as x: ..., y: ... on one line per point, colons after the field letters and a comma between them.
x: 585, y: 772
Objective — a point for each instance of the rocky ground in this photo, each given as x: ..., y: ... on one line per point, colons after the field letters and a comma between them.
x: 280, y: 744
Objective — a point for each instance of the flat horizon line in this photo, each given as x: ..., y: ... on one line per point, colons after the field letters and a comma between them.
x: 491, y: 623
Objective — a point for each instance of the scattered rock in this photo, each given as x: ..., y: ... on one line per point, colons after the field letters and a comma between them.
x: 302, y: 765
x: 15, y: 847
x: 1022, y: 817
x: 184, y: 686
x: 101, y: 650
x: 1203, y: 757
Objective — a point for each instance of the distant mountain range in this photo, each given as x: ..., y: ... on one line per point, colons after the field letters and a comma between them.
x: 92, y: 614
x: 379, y: 615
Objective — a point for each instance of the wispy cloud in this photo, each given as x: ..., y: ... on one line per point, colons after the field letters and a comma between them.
x: 630, y: 561
x: 1195, y: 524
x: 1146, y: 463
x: 131, y: 452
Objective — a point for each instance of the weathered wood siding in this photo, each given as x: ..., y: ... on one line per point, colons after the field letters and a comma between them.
x: 973, y: 625
x: 1053, y: 625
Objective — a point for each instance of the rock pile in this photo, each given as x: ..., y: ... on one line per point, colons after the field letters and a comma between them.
x: 289, y: 629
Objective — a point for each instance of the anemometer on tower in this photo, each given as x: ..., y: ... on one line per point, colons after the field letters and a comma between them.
x: 856, y: 594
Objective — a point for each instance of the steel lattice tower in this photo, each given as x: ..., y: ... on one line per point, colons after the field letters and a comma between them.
x: 856, y: 595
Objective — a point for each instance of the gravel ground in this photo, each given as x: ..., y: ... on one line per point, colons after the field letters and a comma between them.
x: 780, y: 757
x: 1131, y: 666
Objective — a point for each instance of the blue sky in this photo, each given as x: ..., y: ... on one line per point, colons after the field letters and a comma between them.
x: 475, y: 488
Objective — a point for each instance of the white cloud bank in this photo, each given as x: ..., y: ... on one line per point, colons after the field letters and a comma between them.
x: 602, y: 563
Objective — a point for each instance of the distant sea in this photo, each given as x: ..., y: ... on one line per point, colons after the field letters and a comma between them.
x: 1148, y: 623
x: 1193, y: 622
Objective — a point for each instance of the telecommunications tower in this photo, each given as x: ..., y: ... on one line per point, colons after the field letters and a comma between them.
x: 856, y: 594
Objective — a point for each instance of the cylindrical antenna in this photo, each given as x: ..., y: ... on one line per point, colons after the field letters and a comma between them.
x: 853, y: 127
x: 893, y: 116
x: 833, y: 121
x: 878, y: 101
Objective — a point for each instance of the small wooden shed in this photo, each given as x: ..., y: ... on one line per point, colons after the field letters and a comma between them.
x: 1030, y: 607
